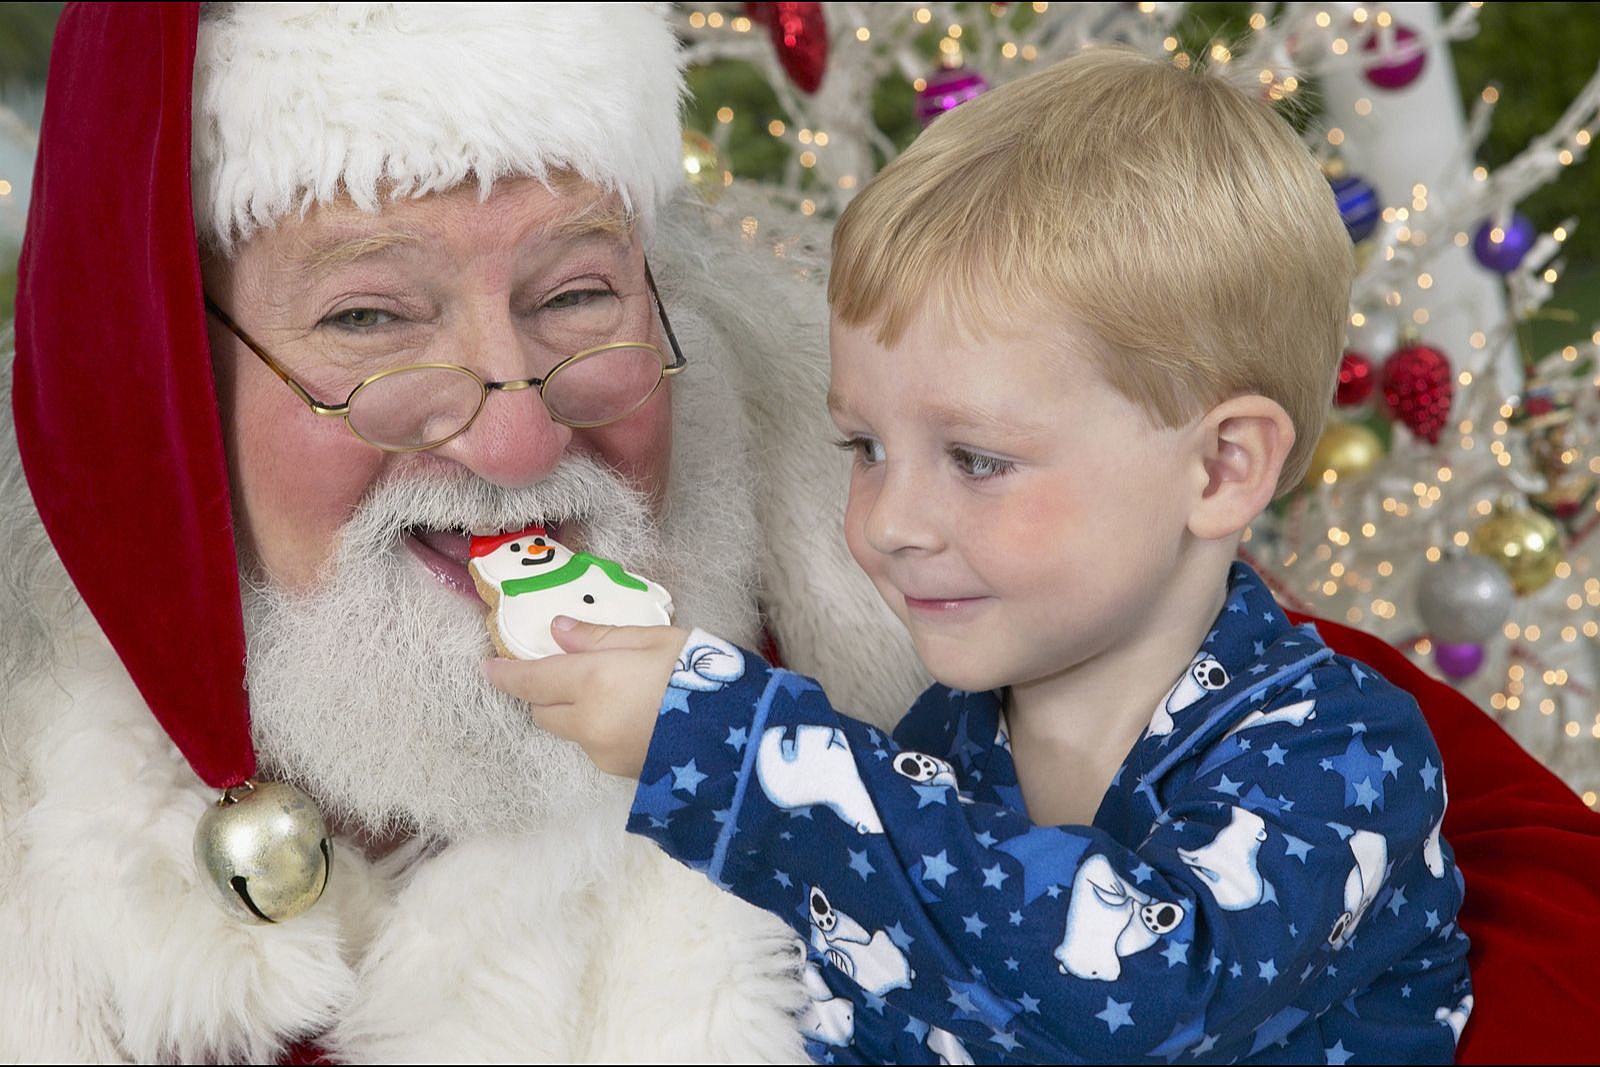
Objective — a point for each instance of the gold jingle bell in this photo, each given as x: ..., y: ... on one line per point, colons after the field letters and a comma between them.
x: 265, y: 852
x: 1525, y: 543
x: 1346, y: 449
x: 702, y: 165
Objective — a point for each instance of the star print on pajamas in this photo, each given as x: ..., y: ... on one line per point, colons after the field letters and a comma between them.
x: 1264, y: 850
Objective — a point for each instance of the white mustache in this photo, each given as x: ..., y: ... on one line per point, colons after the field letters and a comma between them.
x: 587, y: 499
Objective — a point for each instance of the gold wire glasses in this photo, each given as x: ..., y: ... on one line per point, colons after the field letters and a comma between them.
x: 422, y: 405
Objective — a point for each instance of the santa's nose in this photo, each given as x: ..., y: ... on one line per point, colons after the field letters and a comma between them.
x: 513, y: 442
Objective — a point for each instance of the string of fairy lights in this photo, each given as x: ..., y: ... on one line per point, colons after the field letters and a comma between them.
x: 1486, y: 462
x: 1514, y: 482
x: 1432, y: 469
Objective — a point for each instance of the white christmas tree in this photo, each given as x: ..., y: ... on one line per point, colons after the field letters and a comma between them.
x: 1467, y: 538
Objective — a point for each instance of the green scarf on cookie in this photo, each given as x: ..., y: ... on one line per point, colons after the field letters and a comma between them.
x: 571, y: 570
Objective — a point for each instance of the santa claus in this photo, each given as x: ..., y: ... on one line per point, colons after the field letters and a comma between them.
x: 311, y: 294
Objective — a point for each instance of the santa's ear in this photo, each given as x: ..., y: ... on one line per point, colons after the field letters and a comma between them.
x: 1244, y: 443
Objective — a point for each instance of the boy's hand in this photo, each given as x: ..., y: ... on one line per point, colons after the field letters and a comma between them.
x: 604, y: 693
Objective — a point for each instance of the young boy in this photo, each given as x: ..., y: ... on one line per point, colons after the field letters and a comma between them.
x: 1084, y: 330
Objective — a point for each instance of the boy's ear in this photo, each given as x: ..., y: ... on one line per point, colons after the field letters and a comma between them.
x: 1245, y: 441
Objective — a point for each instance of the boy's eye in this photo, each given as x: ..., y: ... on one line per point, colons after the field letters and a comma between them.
x: 979, y: 466
x: 866, y: 450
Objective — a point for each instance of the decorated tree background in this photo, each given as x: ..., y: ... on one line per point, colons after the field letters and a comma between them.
x: 1453, y: 507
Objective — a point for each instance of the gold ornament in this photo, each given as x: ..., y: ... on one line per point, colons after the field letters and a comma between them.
x: 702, y: 165
x: 1345, y: 448
x: 1559, y: 446
x: 264, y: 850
x: 1525, y: 543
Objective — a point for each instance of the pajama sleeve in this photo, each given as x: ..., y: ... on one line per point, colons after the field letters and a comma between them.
x: 1277, y: 879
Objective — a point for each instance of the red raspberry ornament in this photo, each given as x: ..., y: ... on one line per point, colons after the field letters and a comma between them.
x: 1417, y: 388
x: 1356, y: 379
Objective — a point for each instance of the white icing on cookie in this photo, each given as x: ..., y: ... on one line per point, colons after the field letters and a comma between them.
x: 528, y: 579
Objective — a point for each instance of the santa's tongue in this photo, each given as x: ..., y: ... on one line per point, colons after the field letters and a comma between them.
x: 451, y: 544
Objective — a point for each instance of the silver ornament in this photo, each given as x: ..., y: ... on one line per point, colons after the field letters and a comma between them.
x: 265, y: 852
x: 1464, y: 600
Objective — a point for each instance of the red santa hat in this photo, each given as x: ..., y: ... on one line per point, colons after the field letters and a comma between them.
x: 281, y: 106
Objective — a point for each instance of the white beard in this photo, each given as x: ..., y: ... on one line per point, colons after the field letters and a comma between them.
x: 370, y: 695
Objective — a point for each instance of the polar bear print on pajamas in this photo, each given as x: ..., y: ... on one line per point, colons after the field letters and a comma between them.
x: 1361, y: 886
x: 1108, y: 919
x: 826, y: 1018
x: 815, y: 766
x: 948, y: 1047
x: 1456, y: 1020
x: 1227, y: 865
x: 1297, y: 714
x: 707, y: 664
x: 871, y: 960
x: 1431, y: 854
x: 924, y: 769
x: 1203, y: 675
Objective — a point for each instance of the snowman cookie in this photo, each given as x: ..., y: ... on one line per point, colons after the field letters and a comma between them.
x: 527, y: 579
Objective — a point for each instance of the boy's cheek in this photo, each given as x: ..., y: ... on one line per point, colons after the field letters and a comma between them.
x: 856, y: 510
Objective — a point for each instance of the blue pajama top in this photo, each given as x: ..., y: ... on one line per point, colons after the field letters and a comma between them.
x: 1263, y: 882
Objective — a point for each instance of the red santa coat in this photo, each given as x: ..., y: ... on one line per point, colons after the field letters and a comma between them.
x: 1530, y: 853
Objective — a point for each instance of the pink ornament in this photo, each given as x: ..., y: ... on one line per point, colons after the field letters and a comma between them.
x: 1401, y: 57
x: 1356, y: 379
x: 1417, y: 387
x: 946, y: 90
x: 1457, y: 661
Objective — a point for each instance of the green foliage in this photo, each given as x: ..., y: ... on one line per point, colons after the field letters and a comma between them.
x: 751, y: 153
x: 1539, y: 55
x: 25, y: 33
x: 8, y: 290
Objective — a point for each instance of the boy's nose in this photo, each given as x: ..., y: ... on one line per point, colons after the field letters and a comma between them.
x: 903, y: 515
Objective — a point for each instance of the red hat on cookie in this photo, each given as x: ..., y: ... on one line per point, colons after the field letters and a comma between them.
x: 168, y: 129
x: 483, y: 544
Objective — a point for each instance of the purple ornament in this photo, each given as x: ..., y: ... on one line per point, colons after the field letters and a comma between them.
x: 947, y: 89
x: 1402, y: 59
x: 1505, y: 255
x: 1457, y: 661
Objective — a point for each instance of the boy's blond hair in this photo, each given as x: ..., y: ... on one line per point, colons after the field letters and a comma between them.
x: 1181, y: 221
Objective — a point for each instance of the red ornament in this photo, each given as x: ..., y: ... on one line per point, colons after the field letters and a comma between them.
x: 1403, y: 57
x: 1417, y: 388
x: 1538, y: 404
x: 800, y: 35
x: 1356, y: 379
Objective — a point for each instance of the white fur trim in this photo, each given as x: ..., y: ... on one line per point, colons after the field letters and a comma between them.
x: 296, y: 104
x: 571, y: 945
x: 575, y: 944
x: 768, y: 312
x: 114, y: 950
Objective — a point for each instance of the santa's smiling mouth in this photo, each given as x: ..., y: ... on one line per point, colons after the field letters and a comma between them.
x: 445, y: 553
